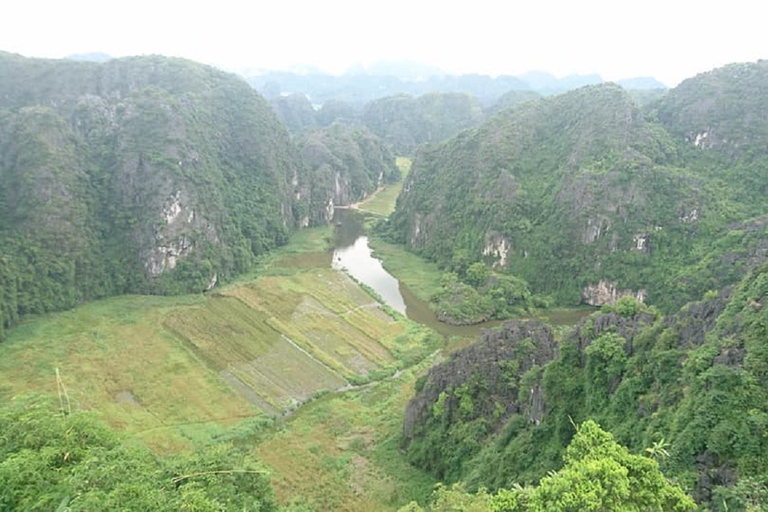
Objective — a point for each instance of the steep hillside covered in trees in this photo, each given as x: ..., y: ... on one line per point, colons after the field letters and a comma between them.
x: 588, y: 197
x: 688, y: 388
x: 406, y: 121
x: 346, y: 163
x: 136, y: 175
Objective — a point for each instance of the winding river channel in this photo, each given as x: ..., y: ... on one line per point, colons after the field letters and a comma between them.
x: 353, y: 254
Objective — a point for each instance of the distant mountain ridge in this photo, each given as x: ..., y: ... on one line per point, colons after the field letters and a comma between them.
x: 361, y: 86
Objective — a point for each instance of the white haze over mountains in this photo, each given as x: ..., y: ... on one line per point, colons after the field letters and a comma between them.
x: 669, y: 40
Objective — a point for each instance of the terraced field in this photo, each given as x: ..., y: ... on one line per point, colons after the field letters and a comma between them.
x: 280, y: 340
x: 177, y: 373
x: 115, y: 357
x: 174, y: 371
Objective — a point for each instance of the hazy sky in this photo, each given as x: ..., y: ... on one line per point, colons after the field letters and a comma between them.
x: 668, y: 39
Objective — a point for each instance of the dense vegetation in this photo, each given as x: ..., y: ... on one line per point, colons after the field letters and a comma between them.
x: 688, y: 388
x: 153, y: 175
x: 403, y: 121
x: 67, y: 460
x: 511, y: 99
x: 479, y: 295
x: 136, y: 175
x: 586, y: 193
x: 295, y: 112
x: 156, y: 175
x: 179, y: 373
x: 598, y: 474
x: 346, y: 163
x: 406, y: 122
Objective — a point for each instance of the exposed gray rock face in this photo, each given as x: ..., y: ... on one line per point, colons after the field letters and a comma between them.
x: 607, y: 292
x: 500, y: 376
x: 137, y: 175
x: 590, y: 329
x: 499, y: 359
x: 562, y: 192
x: 346, y: 163
x: 172, y: 239
x: 498, y: 247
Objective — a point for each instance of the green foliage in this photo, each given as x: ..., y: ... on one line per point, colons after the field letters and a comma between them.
x: 438, y: 409
x: 477, y: 274
x: 406, y: 122
x: 586, y: 186
x: 49, y: 460
x: 688, y: 390
x: 627, y: 306
x: 452, y: 499
x: 512, y: 99
x: 605, y: 363
x: 482, y: 295
x: 750, y: 494
x: 346, y: 163
x: 598, y: 474
x: 296, y: 112
x: 115, y: 181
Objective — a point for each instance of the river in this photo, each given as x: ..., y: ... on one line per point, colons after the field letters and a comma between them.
x: 352, y: 254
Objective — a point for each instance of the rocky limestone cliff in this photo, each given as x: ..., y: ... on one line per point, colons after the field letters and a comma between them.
x: 490, y: 414
x: 495, y: 368
x: 720, y: 112
x: 144, y: 174
x: 497, y: 247
x: 575, y: 192
x: 607, y: 292
x: 490, y: 371
x: 346, y: 164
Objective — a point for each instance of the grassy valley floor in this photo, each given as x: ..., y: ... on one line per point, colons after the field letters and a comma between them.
x: 342, y: 451
x: 177, y: 373
x: 296, y: 357
x: 383, y: 201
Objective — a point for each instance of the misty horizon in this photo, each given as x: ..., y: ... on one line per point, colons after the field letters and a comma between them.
x: 669, y: 42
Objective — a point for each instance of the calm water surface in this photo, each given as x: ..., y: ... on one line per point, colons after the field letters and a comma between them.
x: 357, y: 261
x: 353, y: 254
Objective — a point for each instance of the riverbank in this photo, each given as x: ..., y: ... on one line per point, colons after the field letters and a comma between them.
x: 382, y: 202
x: 180, y: 373
x: 421, y: 280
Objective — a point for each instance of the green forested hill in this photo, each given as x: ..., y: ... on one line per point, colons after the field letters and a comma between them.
x: 406, y: 122
x: 144, y: 174
x: 402, y: 121
x: 663, y: 203
x: 587, y: 197
x: 689, y: 389
x: 296, y: 113
x: 347, y: 163
x: 511, y: 99
x: 720, y: 117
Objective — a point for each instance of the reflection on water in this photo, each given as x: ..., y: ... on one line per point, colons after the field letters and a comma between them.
x: 357, y: 261
x: 353, y: 254
x: 349, y: 227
